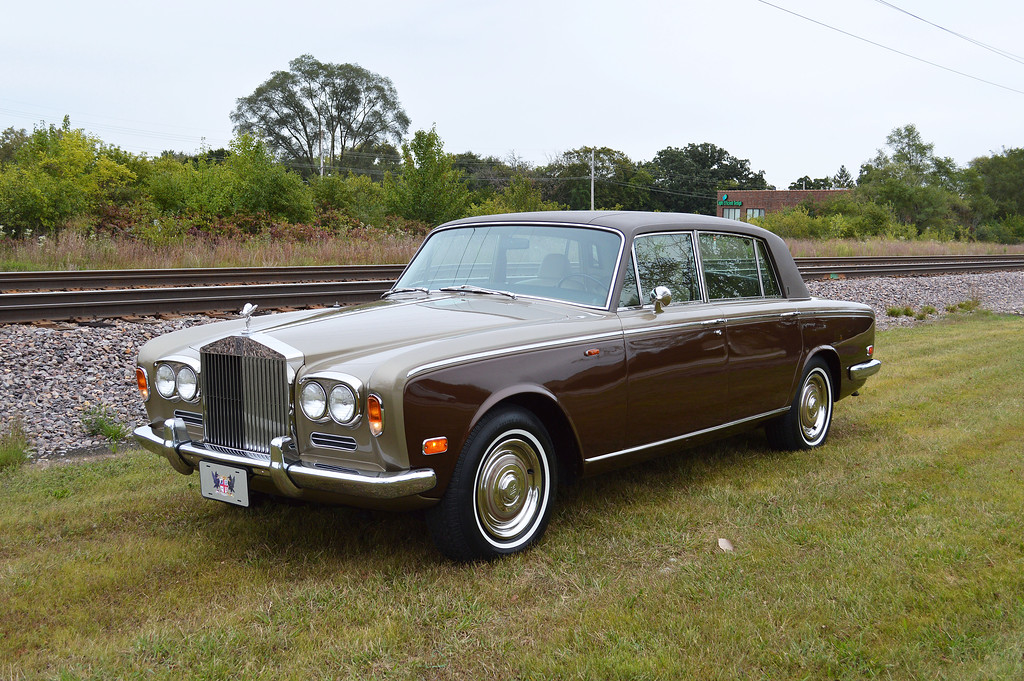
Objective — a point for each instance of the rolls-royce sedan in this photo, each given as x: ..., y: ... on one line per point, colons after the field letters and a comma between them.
x: 513, y: 352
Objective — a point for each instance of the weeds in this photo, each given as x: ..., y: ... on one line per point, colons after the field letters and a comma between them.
x: 897, y: 311
x: 102, y: 420
x: 13, y: 445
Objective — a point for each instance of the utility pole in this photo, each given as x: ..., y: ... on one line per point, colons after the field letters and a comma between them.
x: 591, y: 178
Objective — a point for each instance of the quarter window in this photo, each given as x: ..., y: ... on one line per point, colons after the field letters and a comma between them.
x: 667, y: 260
x: 730, y: 268
x: 768, y: 279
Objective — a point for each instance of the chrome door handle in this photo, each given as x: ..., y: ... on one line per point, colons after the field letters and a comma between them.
x: 784, y: 315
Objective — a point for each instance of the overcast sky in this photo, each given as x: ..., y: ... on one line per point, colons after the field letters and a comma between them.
x: 539, y: 78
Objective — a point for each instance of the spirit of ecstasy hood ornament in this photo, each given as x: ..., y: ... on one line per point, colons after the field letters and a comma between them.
x: 246, y: 313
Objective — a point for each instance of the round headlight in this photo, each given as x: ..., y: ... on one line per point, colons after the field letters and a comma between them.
x: 188, y: 383
x: 165, y: 380
x: 313, y: 401
x: 342, y: 403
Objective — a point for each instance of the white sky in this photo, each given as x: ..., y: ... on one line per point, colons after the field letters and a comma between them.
x: 539, y: 78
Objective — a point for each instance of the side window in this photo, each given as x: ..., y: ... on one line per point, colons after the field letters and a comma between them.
x: 630, y: 296
x: 768, y: 279
x: 730, y: 269
x: 667, y: 260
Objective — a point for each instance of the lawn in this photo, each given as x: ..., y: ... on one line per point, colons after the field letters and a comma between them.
x: 895, y: 551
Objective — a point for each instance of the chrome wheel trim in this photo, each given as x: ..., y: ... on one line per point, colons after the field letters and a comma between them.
x: 511, y: 489
x: 815, y: 407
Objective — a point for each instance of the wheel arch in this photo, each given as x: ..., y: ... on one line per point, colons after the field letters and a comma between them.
x: 830, y: 356
x: 554, y: 419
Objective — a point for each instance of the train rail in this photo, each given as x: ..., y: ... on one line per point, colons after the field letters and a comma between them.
x: 53, y: 296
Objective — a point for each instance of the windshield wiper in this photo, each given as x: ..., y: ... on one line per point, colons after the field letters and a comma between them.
x: 414, y: 289
x: 468, y: 288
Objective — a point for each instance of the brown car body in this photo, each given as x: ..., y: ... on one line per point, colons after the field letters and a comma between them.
x: 601, y: 382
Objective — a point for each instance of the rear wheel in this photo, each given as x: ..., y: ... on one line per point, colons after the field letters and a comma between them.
x: 807, y: 423
x: 501, y: 493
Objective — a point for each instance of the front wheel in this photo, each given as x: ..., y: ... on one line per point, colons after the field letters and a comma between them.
x: 807, y: 423
x: 500, y: 496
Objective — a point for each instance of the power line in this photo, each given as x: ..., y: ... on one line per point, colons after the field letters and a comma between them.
x: 891, y: 49
x: 990, y: 48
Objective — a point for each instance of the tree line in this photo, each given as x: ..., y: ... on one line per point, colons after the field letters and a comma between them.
x: 323, y: 149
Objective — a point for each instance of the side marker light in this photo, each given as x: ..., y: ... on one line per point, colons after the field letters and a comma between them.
x: 435, y: 445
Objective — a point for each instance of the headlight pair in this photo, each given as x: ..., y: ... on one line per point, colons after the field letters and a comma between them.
x: 340, y: 402
x: 177, y: 380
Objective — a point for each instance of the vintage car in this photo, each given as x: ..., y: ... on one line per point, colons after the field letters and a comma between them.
x: 514, y: 351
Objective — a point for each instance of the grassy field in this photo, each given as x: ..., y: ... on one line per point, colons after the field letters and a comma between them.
x: 896, y: 551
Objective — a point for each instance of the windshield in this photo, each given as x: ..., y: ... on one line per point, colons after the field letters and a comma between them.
x: 572, y: 264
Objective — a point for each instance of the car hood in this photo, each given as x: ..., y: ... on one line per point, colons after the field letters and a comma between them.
x: 427, y: 328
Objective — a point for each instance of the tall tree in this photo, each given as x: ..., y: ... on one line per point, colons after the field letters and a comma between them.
x: 1001, y: 179
x: 686, y: 180
x: 317, y: 111
x: 618, y: 181
x: 806, y: 182
x: 429, y: 187
x: 920, y: 187
x: 843, y: 179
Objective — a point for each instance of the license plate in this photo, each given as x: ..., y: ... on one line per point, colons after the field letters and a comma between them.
x: 224, y: 483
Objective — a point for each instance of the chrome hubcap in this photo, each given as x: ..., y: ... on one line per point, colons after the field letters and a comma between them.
x: 508, y: 488
x: 814, y: 407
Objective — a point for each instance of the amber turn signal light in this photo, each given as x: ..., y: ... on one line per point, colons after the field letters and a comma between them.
x: 435, y: 445
x: 375, y: 415
x: 140, y: 378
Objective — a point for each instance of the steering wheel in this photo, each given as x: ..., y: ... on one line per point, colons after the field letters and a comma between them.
x: 591, y: 284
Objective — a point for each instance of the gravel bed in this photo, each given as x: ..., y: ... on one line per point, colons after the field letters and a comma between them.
x: 52, y: 376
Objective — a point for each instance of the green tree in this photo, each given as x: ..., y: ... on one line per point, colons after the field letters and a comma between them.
x: 318, y: 111
x: 921, y: 188
x: 806, y: 182
x: 11, y: 140
x: 619, y: 183
x: 429, y: 187
x: 58, y: 173
x: 843, y: 179
x: 1000, y: 179
x: 686, y: 179
x: 520, y: 196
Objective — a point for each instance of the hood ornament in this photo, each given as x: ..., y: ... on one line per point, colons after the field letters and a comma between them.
x: 246, y: 313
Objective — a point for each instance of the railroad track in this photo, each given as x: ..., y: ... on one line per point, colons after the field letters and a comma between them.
x: 39, y: 296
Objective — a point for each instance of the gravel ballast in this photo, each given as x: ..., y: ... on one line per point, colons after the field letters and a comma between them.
x: 53, y: 375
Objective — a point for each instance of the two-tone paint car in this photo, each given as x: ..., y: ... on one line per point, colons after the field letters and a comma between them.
x: 514, y: 351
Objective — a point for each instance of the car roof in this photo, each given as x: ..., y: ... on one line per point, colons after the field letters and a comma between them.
x: 627, y: 222
x: 633, y: 223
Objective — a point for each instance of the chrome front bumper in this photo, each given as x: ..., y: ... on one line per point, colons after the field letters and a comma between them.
x: 290, y: 477
x: 860, y: 372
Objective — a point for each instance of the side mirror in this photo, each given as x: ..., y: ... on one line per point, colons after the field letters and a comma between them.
x: 661, y: 296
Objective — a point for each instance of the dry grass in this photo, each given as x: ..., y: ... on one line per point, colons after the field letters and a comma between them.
x: 894, y: 552
x: 816, y: 248
x: 71, y: 250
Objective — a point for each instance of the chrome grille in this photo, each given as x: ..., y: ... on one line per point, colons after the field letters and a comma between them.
x: 245, y: 393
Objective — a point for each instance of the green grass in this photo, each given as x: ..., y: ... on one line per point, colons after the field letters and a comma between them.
x: 895, y: 552
x: 14, y: 446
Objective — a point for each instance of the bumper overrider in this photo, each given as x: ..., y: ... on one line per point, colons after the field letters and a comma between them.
x: 171, y: 440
